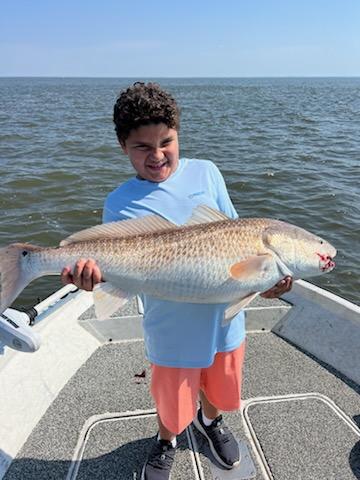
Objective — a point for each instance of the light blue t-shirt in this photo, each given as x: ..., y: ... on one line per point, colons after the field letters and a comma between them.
x: 180, y: 334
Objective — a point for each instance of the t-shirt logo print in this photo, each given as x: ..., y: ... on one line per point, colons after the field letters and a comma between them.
x: 196, y: 194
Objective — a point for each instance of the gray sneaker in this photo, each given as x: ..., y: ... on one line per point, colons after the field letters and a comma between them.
x: 222, y: 443
x: 159, y: 461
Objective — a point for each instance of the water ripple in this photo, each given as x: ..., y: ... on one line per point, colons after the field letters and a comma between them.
x: 288, y: 148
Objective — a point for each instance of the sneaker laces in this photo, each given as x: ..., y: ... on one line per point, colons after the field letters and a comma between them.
x: 218, y: 427
x: 162, y: 455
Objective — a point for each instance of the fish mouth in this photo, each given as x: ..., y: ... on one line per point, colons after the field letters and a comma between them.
x: 326, y: 263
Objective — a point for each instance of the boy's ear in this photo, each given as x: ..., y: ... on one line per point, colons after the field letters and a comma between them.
x: 123, y: 147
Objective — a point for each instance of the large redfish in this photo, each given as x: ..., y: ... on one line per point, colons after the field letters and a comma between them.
x: 211, y: 259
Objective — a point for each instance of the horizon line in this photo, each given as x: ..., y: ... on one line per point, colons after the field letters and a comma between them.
x: 182, y: 77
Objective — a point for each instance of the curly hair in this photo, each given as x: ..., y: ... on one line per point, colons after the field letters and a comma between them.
x: 142, y: 104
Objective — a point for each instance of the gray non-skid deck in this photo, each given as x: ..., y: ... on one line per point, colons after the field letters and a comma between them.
x: 297, y: 437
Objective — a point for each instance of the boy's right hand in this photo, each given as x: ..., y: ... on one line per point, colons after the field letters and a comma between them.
x: 85, y: 276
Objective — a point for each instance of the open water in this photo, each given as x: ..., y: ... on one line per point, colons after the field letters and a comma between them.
x: 288, y: 149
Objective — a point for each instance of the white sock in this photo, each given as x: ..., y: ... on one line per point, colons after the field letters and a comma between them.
x: 207, y: 421
x: 173, y: 441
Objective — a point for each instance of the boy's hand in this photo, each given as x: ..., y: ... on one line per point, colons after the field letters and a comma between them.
x: 85, y: 276
x: 280, y: 288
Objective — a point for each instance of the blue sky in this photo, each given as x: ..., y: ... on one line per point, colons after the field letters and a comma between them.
x: 142, y: 38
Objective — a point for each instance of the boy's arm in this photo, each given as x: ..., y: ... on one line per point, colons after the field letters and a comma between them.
x: 85, y: 276
x: 86, y: 272
x: 222, y: 195
x: 110, y: 216
x: 279, y: 289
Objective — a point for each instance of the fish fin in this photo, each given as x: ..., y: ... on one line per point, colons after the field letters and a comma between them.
x: 205, y: 214
x: 251, y: 268
x: 235, y: 307
x: 14, y: 278
x: 120, y: 229
x: 108, y: 299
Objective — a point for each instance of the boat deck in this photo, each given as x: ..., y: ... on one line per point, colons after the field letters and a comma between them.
x: 300, y: 418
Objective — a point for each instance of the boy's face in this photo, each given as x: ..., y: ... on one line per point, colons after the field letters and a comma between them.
x: 154, y: 151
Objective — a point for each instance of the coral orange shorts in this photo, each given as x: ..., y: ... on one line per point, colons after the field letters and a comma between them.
x: 175, y: 390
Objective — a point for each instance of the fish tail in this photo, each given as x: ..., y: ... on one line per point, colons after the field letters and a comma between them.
x: 15, y: 271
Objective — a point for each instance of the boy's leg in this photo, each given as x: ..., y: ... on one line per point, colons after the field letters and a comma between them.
x: 164, y: 433
x: 209, y: 410
x: 222, y: 442
x: 222, y: 381
x: 175, y: 393
x: 221, y: 390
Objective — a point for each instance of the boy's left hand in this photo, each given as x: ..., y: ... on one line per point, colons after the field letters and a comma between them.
x: 280, y: 288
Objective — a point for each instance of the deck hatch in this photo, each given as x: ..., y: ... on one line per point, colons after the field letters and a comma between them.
x: 114, y: 446
x: 303, y: 436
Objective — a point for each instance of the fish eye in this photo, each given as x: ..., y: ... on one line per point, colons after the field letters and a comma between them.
x: 321, y: 242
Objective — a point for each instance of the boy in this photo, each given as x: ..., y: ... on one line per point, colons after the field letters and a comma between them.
x: 190, y: 352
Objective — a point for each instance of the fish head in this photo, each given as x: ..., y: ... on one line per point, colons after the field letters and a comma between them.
x: 302, y: 252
